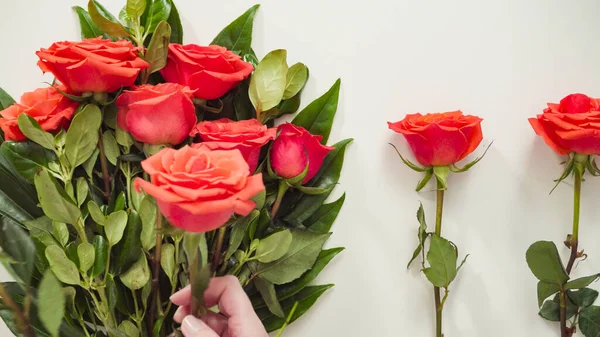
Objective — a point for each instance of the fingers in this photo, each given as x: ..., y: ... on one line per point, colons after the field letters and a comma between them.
x: 181, y: 313
x: 193, y: 327
x: 216, y: 322
x: 228, y: 294
x: 182, y: 297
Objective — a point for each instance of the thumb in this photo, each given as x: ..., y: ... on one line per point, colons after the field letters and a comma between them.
x: 193, y: 327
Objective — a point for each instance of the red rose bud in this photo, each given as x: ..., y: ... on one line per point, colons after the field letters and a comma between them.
x: 295, y: 160
x: 157, y: 114
x: 51, y: 109
x: 440, y: 139
x: 93, y: 65
x: 211, y: 71
x: 571, y: 126
x: 288, y: 156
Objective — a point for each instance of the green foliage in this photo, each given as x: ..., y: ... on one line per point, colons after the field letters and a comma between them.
x: 318, y: 116
x: 544, y: 262
x: 442, y: 258
x: 237, y: 36
x: 268, y: 82
x: 51, y: 303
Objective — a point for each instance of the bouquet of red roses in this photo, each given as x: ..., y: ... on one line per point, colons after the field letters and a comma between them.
x: 148, y: 165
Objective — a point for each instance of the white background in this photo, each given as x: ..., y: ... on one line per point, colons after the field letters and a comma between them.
x: 501, y: 60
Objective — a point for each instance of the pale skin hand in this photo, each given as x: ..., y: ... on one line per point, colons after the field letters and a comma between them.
x: 236, y: 319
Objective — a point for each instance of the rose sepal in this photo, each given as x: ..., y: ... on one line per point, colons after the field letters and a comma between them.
x: 313, y: 190
x: 425, y: 180
x: 151, y: 150
x: 465, y: 168
x: 408, y: 163
x: 441, y: 175
x: 79, y: 99
x: 592, y: 167
x: 203, y: 104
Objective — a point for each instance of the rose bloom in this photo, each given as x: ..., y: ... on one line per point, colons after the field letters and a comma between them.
x: 157, y: 114
x: 573, y: 125
x: 95, y: 65
x: 440, y: 139
x: 212, y: 71
x: 248, y: 136
x: 198, y: 190
x: 293, y: 149
x: 51, y: 109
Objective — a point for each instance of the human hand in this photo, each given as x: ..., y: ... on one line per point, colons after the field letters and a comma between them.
x: 236, y: 319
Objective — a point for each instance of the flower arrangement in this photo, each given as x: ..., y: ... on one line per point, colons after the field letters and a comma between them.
x: 148, y: 165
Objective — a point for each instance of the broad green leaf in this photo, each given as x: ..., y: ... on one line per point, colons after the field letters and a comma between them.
x: 57, y: 205
x: 301, y: 256
x: 5, y: 99
x: 322, y: 220
x: 106, y: 21
x: 135, y: 9
x: 295, y: 80
x: 241, y: 101
x: 544, y: 262
x: 71, y: 251
x: 60, y: 139
x: 582, y: 282
x: 267, y: 84
x: 83, y: 190
x: 584, y: 297
x: 87, y: 256
x: 123, y: 138
x: 32, y: 130
x: 60, y: 232
x: 64, y: 269
x: 88, y: 27
x: 90, y: 163
x: 158, y: 49
x: 175, y: 23
x: 138, y: 275
x: 101, y: 255
x: 129, y: 329
x: 115, y: 226
x: 82, y: 136
x: 51, y: 303
x: 111, y: 148
x: 27, y: 158
x: 551, y: 309
x: 545, y: 290
x: 237, y: 36
x: 17, y: 244
x: 148, y: 213
x: 238, y: 231
x: 124, y: 17
x: 267, y: 291
x: 442, y: 258
x: 274, y: 246
x: 318, y: 116
x: 159, y: 11
x: 118, y: 203
x: 589, y: 321
x: 96, y: 213
x: 167, y: 261
x: 130, y: 247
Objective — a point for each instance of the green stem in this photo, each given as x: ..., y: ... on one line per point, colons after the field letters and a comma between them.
x: 283, y: 187
x: 218, y: 250
x: 155, y: 301
x: 104, y: 305
x: 80, y: 227
x: 104, y: 165
x: 83, y: 327
x: 287, y: 321
x: 438, y: 231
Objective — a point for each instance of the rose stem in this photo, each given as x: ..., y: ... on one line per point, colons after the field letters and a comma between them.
x: 156, y: 269
x: 574, y: 244
x: 104, y: 165
x: 438, y: 231
x: 218, y: 248
x: 22, y: 322
x: 283, y: 187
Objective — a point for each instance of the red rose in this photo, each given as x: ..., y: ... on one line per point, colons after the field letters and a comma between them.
x: 248, y: 136
x: 199, y: 189
x: 51, y: 109
x: 293, y: 149
x: 440, y: 139
x: 157, y: 114
x: 571, y: 126
x: 96, y: 65
x: 211, y: 71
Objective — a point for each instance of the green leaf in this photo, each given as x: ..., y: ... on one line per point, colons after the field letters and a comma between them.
x: 545, y: 290
x: 237, y: 36
x: 238, y: 231
x: 51, y: 303
x: 158, y: 49
x: 582, y: 282
x: 175, y: 22
x: 106, y: 21
x: 101, y: 255
x: 322, y: 220
x: 60, y: 232
x: 87, y: 255
x: 421, y: 235
x: 27, y: 158
x: 296, y: 78
x: 130, y: 247
x: 148, y: 213
x: 123, y: 138
x: 589, y: 321
x: 167, y: 262
x: 241, y: 101
x: 584, y: 297
x: 551, y: 309
x: 544, y: 262
x: 129, y: 329
x: 135, y: 9
x: 90, y: 163
x: 5, y: 99
x: 64, y: 269
x: 96, y: 213
x: 111, y: 148
x: 267, y: 291
x: 267, y: 84
x: 301, y: 256
x: 83, y: 190
x: 82, y: 136
x: 442, y: 258
x: 57, y: 205
x: 88, y: 27
x: 318, y: 116
x: 115, y: 226
x: 32, y: 130
x: 18, y: 245
x: 159, y: 11
x: 274, y: 246
x: 138, y: 275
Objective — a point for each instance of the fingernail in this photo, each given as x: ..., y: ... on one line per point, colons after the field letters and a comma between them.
x: 191, y: 325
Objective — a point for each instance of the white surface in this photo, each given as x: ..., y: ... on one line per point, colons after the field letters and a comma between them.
x: 501, y: 60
